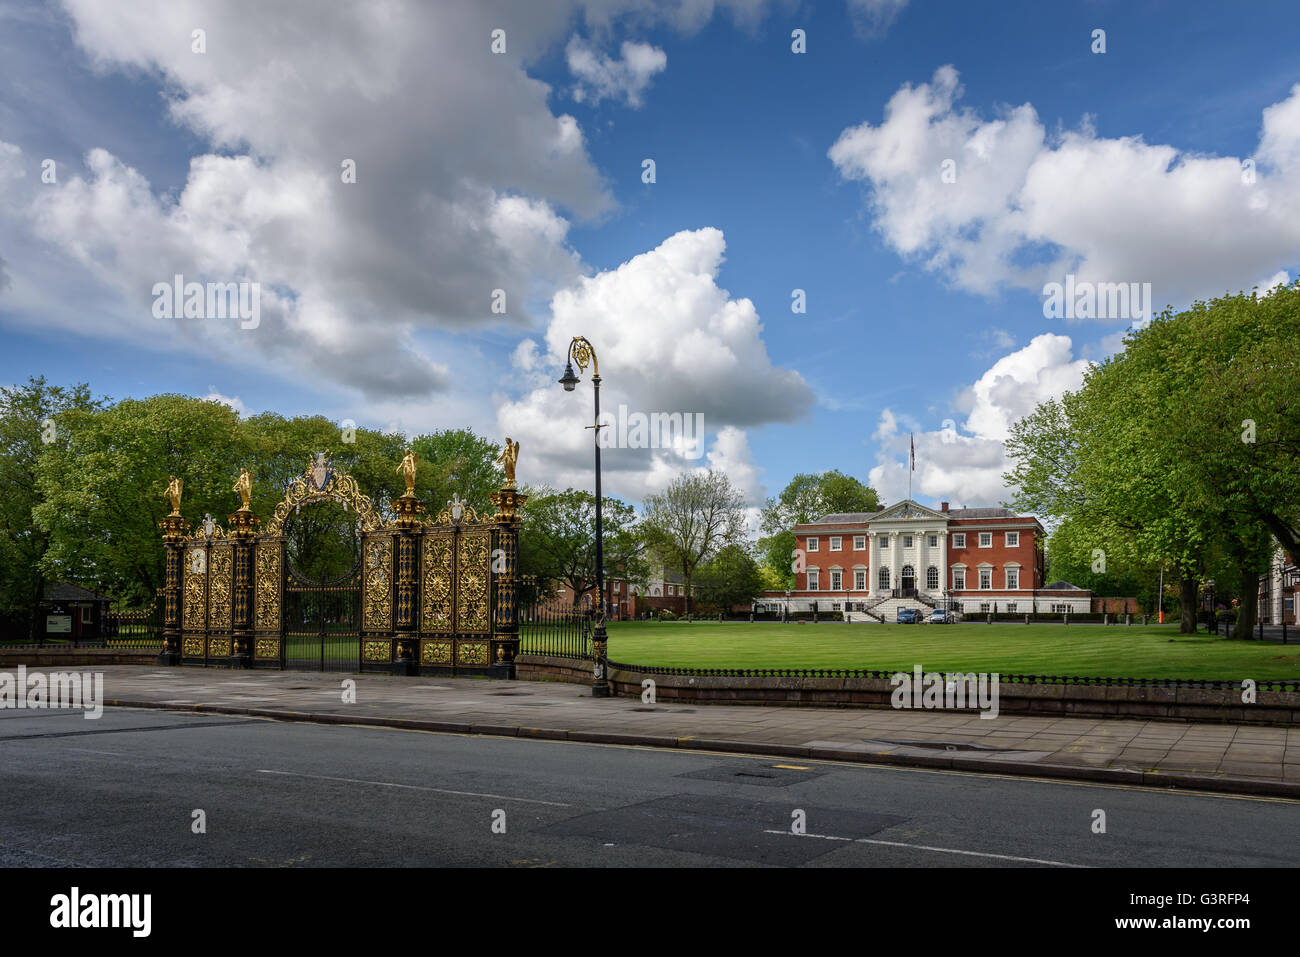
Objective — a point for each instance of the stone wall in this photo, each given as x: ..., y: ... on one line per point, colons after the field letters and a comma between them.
x: 1014, y: 698
x: 74, y: 657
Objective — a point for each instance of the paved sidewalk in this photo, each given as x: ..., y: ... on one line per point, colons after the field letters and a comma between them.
x: 1219, y: 757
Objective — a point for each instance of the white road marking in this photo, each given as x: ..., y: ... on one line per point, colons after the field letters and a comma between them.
x: 925, y: 847
x: 414, y: 787
x: 116, y: 754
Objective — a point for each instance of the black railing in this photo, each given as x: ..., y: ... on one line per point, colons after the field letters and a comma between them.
x: 134, y: 629
x: 1208, y: 684
x: 555, y: 629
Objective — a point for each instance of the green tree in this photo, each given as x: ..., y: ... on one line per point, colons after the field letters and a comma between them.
x: 1182, y: 449
x: 102, y: 491
x: 694, y: 517
x: 807, y: 497
x: 557, y: 540
x: 729, y: 578
x: 34, y: 421
x: 465, y: 464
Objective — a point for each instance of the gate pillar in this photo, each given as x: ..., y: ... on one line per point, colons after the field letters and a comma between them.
x: 175, y: 530
x: 505, y: 570
x: 243, y: 531
x: 406, y: 542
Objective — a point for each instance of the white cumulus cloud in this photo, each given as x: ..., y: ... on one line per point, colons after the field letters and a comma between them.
x: 668, y: 339
x: 965, y: 466
x: 1021, y: 208
x: 602, y: 77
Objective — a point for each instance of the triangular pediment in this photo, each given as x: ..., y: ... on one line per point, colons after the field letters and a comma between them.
x: 908, y: 509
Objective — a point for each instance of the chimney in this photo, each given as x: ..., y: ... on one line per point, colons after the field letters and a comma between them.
x: 943, y: 506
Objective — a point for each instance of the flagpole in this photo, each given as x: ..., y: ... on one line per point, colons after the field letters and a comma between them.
x: 911, y: 464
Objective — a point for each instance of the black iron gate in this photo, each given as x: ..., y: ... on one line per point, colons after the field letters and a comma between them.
x: 322, y: 626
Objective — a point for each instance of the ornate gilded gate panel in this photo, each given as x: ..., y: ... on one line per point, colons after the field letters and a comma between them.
x: 268, y: 602
x: 206, y: 566
x: 456, y: 592
x: 377, y: 600
x: 194, y: 601
x: 474, y: 596
x: 221, y: 560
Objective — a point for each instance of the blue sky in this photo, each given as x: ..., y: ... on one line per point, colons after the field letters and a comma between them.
x: 924, y: 301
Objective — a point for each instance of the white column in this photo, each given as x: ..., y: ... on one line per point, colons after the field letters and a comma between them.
x: 922, y: 561
x: 943, y: 560
x: 894, y: 555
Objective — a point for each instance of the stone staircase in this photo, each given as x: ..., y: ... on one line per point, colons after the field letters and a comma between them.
x: 885, y: 610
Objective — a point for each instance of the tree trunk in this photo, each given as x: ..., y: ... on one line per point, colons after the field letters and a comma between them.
x: 1247, y: 610
x: 1187, y: 606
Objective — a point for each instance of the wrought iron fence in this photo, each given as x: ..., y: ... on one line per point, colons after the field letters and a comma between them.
x: 555, y: 629
x: 141, y: 629
x: 1208, y: 684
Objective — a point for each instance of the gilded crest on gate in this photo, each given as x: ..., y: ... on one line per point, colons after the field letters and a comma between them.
x: 321, y: 470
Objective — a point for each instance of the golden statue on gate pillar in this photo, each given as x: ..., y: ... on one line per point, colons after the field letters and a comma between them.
x: 244, y: 486
x: 173, y: 493
x: 509, y: 455
x: 407, y: 470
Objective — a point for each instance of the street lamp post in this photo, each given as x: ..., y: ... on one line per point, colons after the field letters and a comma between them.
x: 582, y: 352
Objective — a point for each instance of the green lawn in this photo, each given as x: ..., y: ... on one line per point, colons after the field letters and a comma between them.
x: 1154, y: 651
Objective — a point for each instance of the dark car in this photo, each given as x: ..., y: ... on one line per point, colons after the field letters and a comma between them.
x: 908, y: 616
x: 941, y: 617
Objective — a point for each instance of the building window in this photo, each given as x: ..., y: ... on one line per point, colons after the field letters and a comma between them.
x: 907, y: 541
x: 836, y: 543
x: 1060, y: 609
x: 835, y: 606
x: 959, y: 579
x: 814, y: 579
x: 1011, y: 608
x: 986, y: 579
x: 859, y: 543
x: 837, y: 580
x: 884, y: 577
x: 860, y: 580
x: 932, y: 578
x: 934, y: 541
x: 986, y: 539
x: 1013, y: 577
x: 884, y: 541
x: 1013, y: 539
x: 959, y: 540
x: 812, y: 544
x: 984, y: 607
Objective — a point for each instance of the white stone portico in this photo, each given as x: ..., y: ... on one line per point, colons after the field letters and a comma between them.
x: 901, y: 522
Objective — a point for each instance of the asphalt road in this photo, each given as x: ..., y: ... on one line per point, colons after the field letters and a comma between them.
x: 122, y: 791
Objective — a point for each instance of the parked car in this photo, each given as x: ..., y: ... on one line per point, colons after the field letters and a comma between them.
x: 908, y: 616
x: 941, y: 617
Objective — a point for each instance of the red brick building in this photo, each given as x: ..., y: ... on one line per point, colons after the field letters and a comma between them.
x: 908, y: 555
